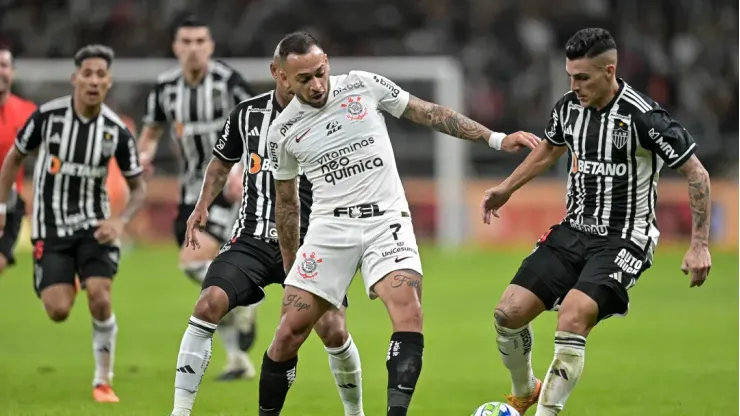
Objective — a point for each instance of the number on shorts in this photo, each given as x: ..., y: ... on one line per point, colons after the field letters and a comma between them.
x: 395, y: 228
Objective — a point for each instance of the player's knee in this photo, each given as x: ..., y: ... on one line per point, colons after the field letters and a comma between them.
x: 289, y: 337
x: 212, y: 305
x: 100, y: 302
x: 57, y: 311
x: 577, y: 316
x: 406, y: 317
x: 332, y: 330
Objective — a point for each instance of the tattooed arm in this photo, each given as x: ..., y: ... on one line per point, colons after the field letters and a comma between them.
x: 445, y: 120
x: 452, y: 123
x: 287, y: 219
x: 217, y: 173
x: 136, y: 199
x: 698, y: 261
x: 699, y: 199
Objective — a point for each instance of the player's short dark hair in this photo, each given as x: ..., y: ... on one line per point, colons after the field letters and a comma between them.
x: 188, y: 21
x: 587, y: 43
x: 94, y: 51
x: 296, y: 43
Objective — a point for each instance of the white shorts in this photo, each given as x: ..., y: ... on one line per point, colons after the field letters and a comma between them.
x: 335, y: 247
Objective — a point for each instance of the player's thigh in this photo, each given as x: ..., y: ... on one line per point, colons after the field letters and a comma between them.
x: 549, y: 271
x: 327, y: 260
x: 53, y: 266
x: 609, y: 273
x: 392, y: 247
x: 241, y: 272
x: 95, y: 259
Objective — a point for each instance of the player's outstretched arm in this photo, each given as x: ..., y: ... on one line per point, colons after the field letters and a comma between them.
x: 217, y: 173
x: 287, y: 219
x: 698, y: 261
x: 448, y: 121
x: 541, y: 159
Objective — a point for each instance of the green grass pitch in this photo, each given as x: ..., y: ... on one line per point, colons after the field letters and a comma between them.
x: 675, y: 354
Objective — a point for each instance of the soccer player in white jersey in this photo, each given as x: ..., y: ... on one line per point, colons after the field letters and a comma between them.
x: 334, y: 132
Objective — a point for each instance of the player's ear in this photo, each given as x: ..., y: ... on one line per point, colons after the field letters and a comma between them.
x: 73, y: 78
x: 611, y: 70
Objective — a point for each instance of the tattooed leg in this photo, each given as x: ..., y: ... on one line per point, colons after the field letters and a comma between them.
x: 301, y: 311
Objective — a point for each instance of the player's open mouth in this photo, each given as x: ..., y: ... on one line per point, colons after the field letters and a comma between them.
x: 93, y: 94
x: 318, y: 96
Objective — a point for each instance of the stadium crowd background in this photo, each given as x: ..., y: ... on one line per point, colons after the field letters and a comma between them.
x: 683, y: 53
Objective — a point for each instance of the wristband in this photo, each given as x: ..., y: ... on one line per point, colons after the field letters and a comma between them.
x: 3, y: 208
x: 496, y: 140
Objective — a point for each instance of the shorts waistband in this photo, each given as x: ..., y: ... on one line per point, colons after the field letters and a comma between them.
x: 366, y: 211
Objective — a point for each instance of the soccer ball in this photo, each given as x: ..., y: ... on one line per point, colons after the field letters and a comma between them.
x: 495, y: 409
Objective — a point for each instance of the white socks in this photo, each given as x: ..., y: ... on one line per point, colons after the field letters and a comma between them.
x: 104, y: 348
x: 515, y: 346
x: 192, y: 361
x: 344, y: 363
x: 564, y: 372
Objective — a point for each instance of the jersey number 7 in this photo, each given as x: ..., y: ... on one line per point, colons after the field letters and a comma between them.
x: 395, y: 228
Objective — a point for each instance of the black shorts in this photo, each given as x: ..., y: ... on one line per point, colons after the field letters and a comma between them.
x: 13, y: 222
x: 244, y: 267
x: 59, y: 259
x: 221, y: 217
x: 603, y: 267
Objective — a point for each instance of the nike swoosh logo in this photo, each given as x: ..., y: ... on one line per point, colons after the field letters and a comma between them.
x: 402, y: 259
x: 298, y: 138
x: 402, y: 388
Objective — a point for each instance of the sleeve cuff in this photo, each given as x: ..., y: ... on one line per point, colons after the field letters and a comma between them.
x: 284, y: 176
x: 554, y: 142
x: 684, y: 157
x: 133, y: 173
x: 223, y: 157
x: 403, y: 102
x: 20, y: 148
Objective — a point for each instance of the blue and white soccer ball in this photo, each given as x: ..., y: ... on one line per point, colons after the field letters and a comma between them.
x: 495, y: 409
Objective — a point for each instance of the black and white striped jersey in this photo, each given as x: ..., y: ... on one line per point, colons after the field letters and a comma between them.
x: 196, y: 115
x: 244, y: 137
x: 72, y: 165
x: 616, y: 157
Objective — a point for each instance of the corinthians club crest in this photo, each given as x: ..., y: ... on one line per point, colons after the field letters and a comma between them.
x: 308, y: 267
x: 355, y: 109
x: 620, y: 135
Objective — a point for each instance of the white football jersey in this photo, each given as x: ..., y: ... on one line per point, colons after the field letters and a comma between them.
x: 343, y: 148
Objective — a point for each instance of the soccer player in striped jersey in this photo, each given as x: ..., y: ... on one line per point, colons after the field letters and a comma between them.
x: 252, y: 260
x: 618, y: 140
x: 73, y: 233
x: 194, y: 99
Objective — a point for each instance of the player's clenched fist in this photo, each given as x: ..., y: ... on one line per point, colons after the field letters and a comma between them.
x: 519, y: 140
x: 198, y: 220
x: 493, y: 199
x: 698, y: 262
